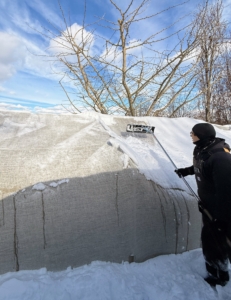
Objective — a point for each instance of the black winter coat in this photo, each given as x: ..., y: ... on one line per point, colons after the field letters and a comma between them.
x: 212, y: 169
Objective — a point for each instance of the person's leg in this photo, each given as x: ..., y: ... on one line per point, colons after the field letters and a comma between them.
x: 215, y: 252
x: 228, y: 234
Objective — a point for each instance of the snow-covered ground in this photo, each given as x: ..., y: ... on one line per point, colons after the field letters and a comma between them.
x: 169, y: 277
x: 165, y: 277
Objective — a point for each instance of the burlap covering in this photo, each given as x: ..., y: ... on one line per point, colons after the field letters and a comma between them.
x: 87, y: 206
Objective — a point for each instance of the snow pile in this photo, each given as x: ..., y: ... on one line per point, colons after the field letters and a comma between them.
x: 16, y: 107
x: 39, y: 186
x: 55, y: 184
x: 10, y: 128
x: 167, y: 277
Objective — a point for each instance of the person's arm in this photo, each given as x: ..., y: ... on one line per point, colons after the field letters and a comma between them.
x: 221, y: 175
x: 185, y: 171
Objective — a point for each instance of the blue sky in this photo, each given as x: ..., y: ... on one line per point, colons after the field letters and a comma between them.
x: 26, y: 76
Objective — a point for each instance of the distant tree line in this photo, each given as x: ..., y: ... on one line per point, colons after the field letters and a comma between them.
x: 116, y: 73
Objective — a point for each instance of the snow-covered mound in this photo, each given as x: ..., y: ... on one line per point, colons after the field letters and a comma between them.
x: 77, y: 188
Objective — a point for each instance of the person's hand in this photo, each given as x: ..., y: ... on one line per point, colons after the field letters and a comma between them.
x: 182, y: 172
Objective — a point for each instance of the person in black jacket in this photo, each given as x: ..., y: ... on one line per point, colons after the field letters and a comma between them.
x: 212, y: 169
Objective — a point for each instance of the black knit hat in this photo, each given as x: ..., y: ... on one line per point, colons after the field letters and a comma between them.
x: 204, y: 130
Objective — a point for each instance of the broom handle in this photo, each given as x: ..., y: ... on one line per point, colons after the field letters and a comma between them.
x: 186, y: 183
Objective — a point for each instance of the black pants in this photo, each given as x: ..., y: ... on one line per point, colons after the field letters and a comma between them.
x: 217, y: 252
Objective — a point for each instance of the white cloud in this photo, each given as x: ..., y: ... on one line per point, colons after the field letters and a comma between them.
x: 46, y: 12
x: 80, y: 36
x: 58, y: 109
x: 7, y: 106
x: 114, y: 54
x: 17, y: 13
x: 6, y: 91
x: 17, y: 53
x: 18, y: 16
x: 37, y: 61
x: 12, y: 55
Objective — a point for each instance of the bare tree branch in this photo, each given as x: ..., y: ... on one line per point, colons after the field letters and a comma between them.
x: 124, y: 74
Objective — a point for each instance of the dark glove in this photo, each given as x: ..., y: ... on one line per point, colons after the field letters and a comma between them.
x: 182, y: 172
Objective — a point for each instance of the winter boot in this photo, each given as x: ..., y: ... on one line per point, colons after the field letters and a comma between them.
x: 222, y: 279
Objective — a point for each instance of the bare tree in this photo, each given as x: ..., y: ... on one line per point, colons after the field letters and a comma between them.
x: 210, y: 29
x: 221, y: 101
x: 125, y: 75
